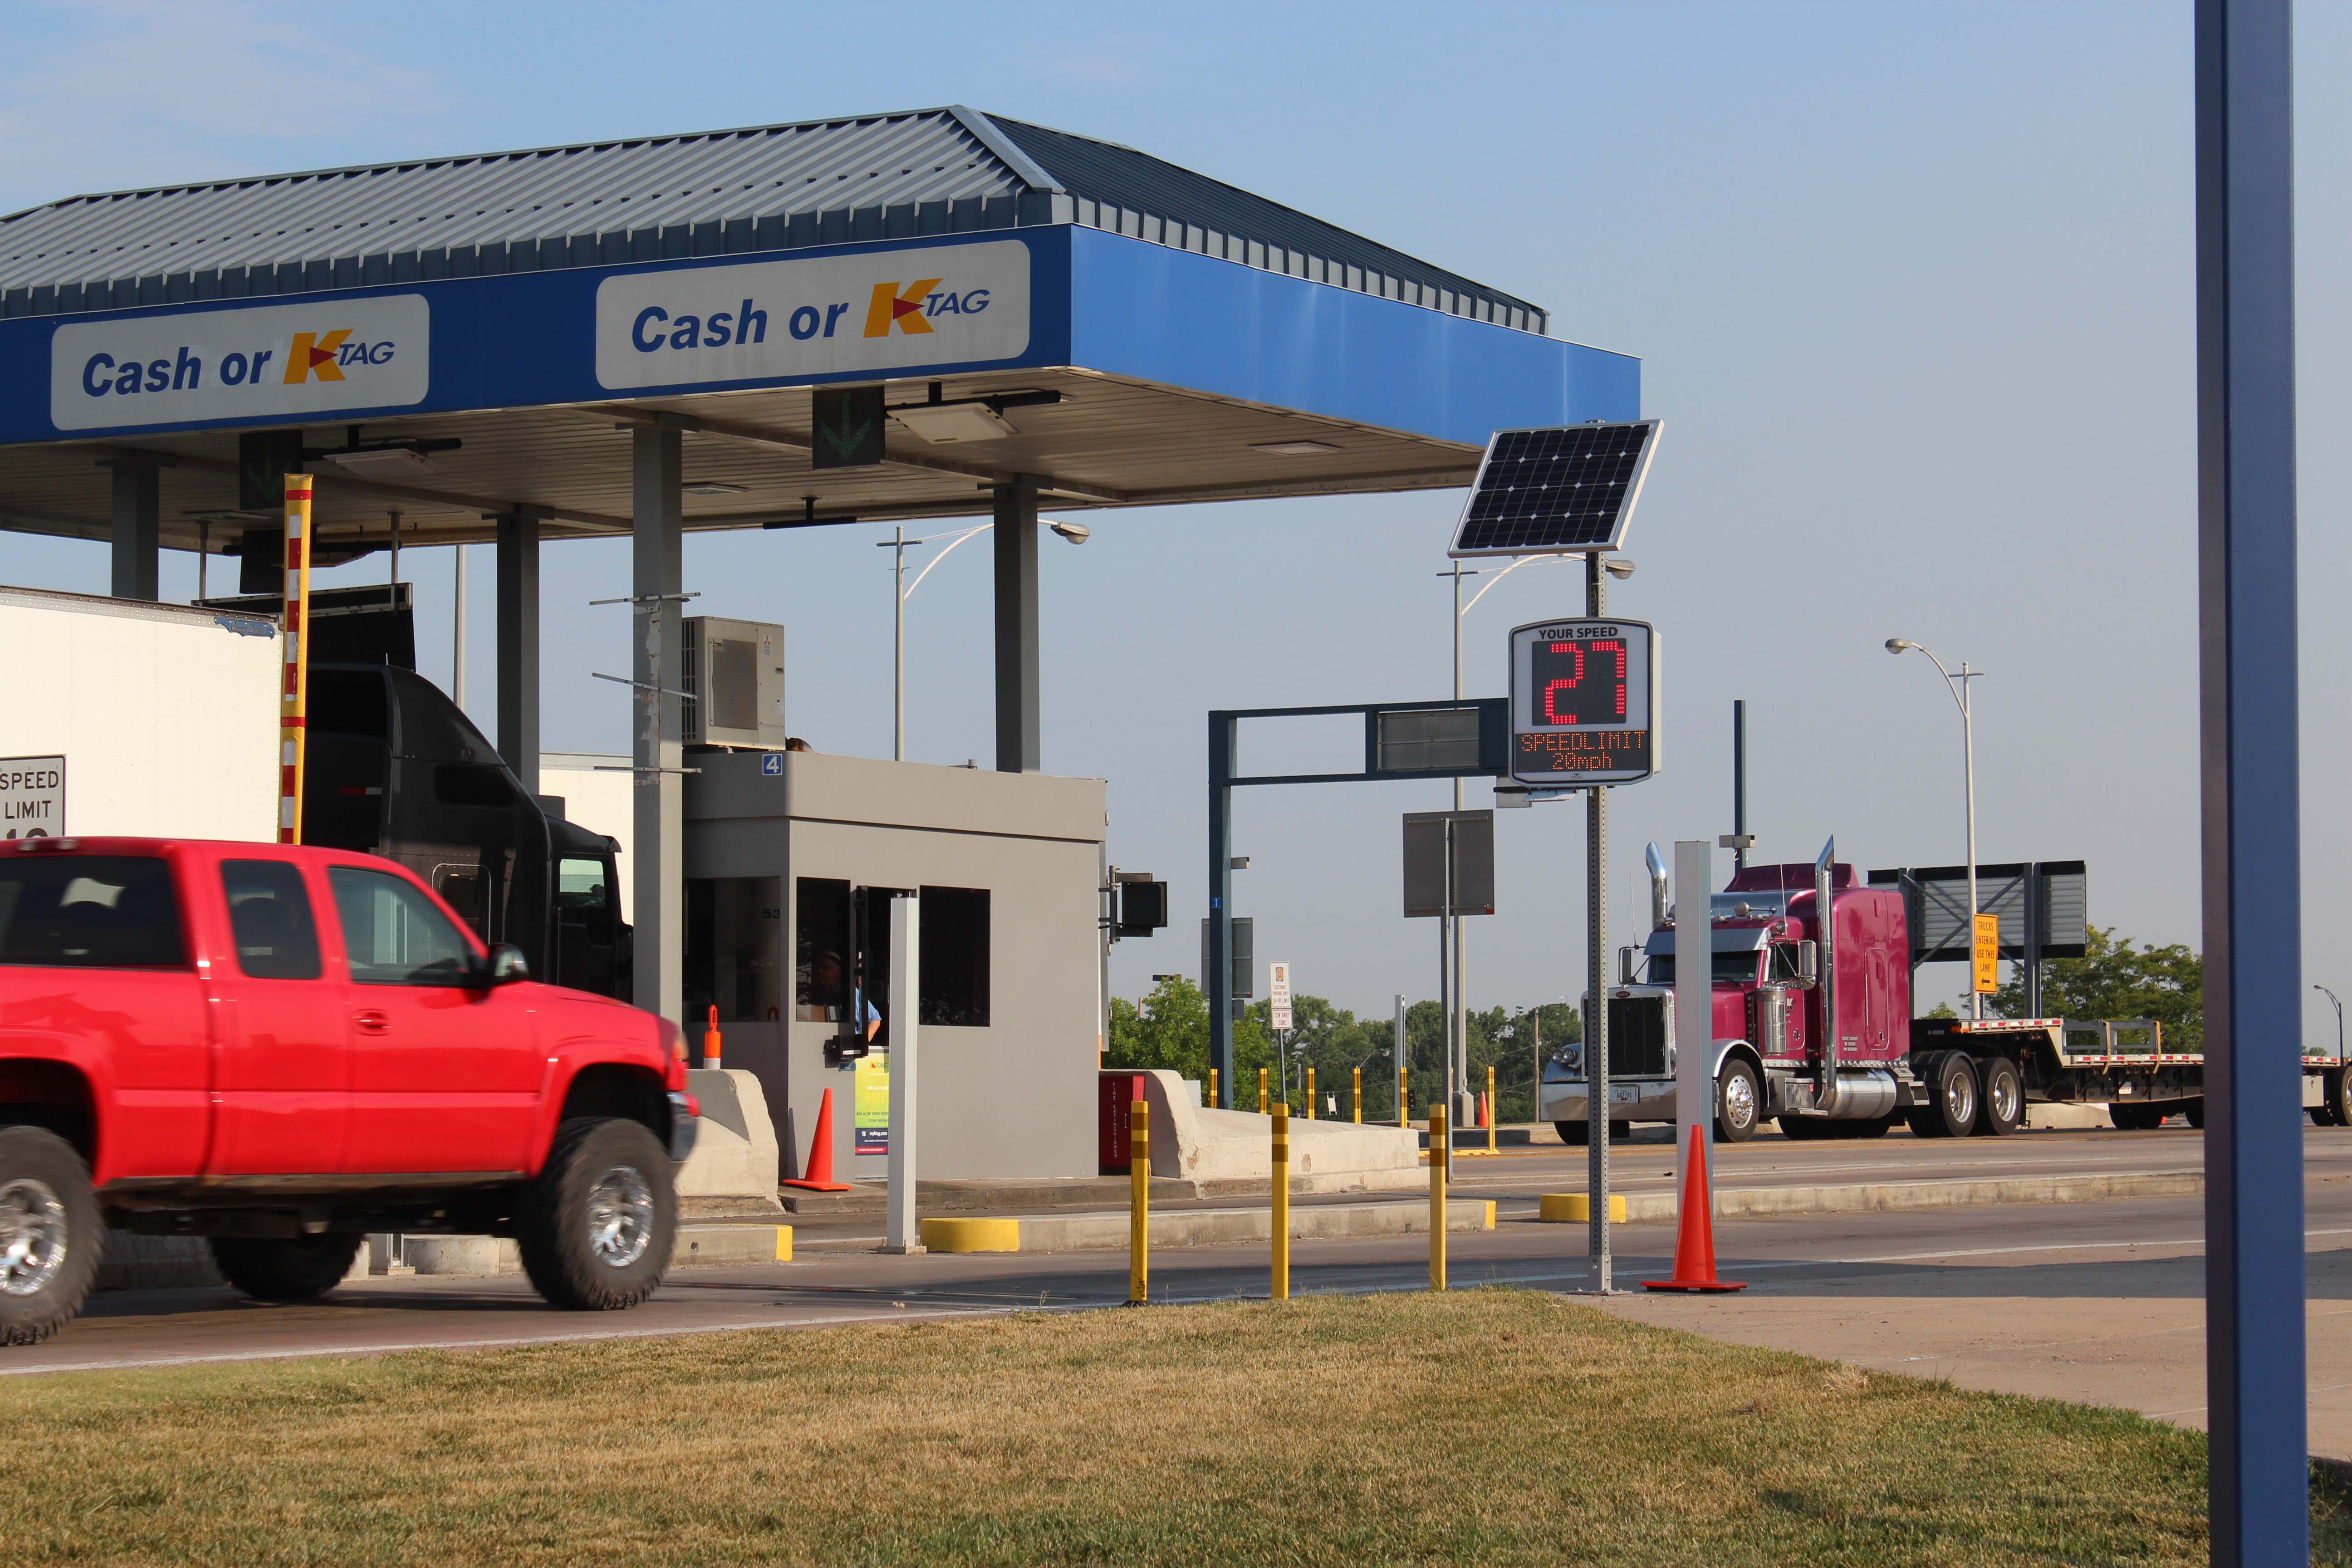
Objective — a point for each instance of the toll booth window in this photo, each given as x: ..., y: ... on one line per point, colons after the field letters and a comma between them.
x: 821, y: 949
x: 89, y: 911
x: 391, y: 932
x: 954, y: 926
x: 734, y: 949
x: 269, y: 915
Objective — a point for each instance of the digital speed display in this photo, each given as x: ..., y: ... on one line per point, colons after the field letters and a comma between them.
x: 1584, y: 697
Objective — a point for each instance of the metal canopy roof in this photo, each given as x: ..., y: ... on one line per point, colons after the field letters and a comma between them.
x: 1205, y: 343
x: 776, y: 188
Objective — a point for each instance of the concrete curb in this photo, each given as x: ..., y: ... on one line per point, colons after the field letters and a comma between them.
x: 1888, y: 1198
x: 1198, y: 1228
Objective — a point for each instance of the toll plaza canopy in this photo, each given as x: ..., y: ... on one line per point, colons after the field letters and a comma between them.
x: 637, y: 338
x: 1206, y: 342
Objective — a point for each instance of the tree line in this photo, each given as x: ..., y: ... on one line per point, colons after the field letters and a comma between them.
x: 1170, y: 1028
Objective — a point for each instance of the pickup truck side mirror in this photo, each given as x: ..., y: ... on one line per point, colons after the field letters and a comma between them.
x: 505, y: 965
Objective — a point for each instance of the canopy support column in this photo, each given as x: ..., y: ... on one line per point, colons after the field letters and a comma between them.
x: 1017, y: 750
x: 137, y: 524
x: 657, y: 895
x: 518, y: 643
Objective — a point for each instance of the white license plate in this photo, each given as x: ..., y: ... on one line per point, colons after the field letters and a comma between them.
x: 1624, y: 1094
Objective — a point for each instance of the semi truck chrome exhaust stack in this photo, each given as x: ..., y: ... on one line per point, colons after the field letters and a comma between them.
x: 1825, y: 1098
x: 1656, y: 858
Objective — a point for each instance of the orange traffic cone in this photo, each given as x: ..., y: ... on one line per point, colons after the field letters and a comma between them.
x: 710, y: 1040
x: 820, y: 1160
x: 1694, y: 1230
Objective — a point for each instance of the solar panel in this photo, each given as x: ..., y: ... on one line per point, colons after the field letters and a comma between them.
x: 1571, y: 489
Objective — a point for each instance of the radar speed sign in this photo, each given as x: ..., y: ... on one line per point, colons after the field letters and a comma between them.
x: 1584, y: 702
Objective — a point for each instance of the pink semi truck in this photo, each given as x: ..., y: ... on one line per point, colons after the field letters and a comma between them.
x: 1775, y: 977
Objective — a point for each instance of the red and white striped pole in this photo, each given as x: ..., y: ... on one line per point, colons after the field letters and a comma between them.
x: 294, y: 698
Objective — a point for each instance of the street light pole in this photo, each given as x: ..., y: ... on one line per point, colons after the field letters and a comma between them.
x: 1957, y: 684
x: 901, y: 590
x: 2339, y: 1020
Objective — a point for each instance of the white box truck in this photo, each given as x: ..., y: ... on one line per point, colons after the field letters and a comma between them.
x: 128, y: 718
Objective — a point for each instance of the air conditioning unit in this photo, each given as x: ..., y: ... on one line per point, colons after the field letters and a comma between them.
x: 734, y: 682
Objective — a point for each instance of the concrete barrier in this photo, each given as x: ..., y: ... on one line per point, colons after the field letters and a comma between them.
x: 1886, y: 1197
x: 736, y: 1161
x: 1211, y: 1146
x: 1197, y: 1227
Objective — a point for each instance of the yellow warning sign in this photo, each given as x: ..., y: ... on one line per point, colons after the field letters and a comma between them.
x: 1988, y: 952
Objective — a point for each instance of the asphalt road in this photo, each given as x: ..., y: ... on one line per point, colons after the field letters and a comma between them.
x: 2101, y: 1302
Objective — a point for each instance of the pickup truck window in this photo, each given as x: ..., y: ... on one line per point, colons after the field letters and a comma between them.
x: 393, y: 933
x: 269, y: 912
x: 89, y: 911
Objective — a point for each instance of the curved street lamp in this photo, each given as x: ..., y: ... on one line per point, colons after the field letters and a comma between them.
x: 901, y: 590
x: 1957, y: 684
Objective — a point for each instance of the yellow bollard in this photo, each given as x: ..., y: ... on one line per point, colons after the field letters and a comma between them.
x: 1439, y: 1151
x: 1281, y: 1190
x: 1260, y: 1091
x: 1403, y: 1114
x: 1213, y: 1088
x: 1310, y: 1094
x: 1138, y: 1224
x: 1360, y: 1094
x: 1490, y: 1109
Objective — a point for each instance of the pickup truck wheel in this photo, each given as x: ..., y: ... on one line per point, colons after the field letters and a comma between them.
x: 49, y: 1233
x: 292, y: 1269
x: 596, y: 1227
x: 2001, y: 1105
x: 1737, y: 1102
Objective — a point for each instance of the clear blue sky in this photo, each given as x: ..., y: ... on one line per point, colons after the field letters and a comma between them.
x: 1912, y: 285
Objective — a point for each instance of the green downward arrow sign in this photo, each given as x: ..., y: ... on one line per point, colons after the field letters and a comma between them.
x: 848, y: 421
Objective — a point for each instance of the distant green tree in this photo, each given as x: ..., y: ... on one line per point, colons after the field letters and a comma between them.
x: 2113, y: 979
x: 1170, y: 1028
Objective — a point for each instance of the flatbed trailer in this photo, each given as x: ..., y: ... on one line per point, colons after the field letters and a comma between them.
x: 2121, y: 1064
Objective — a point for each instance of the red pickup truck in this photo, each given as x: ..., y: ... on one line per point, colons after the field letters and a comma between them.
x: 283, y: 1048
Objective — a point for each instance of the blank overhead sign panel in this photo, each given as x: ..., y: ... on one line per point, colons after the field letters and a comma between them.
x: 2052, y: 893
x: 1569, y: 488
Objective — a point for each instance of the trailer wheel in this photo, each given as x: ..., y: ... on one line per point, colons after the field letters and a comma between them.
x: 2320, y: 1116
x: 2000, y: 1107
x: 2136, y: 1117
x: 1577, y: 1134
x: 1737, y: 1102
x: 2336, y: 1093
x: 1951, y: 1109
x: 2196, y: 1112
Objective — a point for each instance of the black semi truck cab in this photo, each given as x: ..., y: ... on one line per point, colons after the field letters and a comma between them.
x: 393, y: 767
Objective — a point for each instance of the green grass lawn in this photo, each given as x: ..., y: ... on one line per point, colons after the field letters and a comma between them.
x: 1487, y: 1427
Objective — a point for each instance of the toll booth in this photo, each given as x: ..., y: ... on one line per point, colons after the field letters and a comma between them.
x: 778, y: 846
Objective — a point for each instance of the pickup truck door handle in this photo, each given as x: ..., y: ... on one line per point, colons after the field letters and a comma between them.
x: 371, y: 1022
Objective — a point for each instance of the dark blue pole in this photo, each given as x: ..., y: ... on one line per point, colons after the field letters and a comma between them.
x: 1219, y: 981
x: 2246, y: 611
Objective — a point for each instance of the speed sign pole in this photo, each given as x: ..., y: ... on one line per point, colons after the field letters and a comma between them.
x: 1596, y: 980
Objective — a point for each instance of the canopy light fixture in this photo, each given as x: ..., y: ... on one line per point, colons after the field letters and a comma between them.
x: 713, y: 488
x: 381, y: 462
x: 942, y: 420
x: 1292, y: 449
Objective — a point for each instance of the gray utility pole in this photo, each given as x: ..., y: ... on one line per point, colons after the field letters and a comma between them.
x: 1596, y: 975
x: 1457, y: 1022
x: 2249, y: 753
x: 1739, y: 785
x: 458, y: 638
